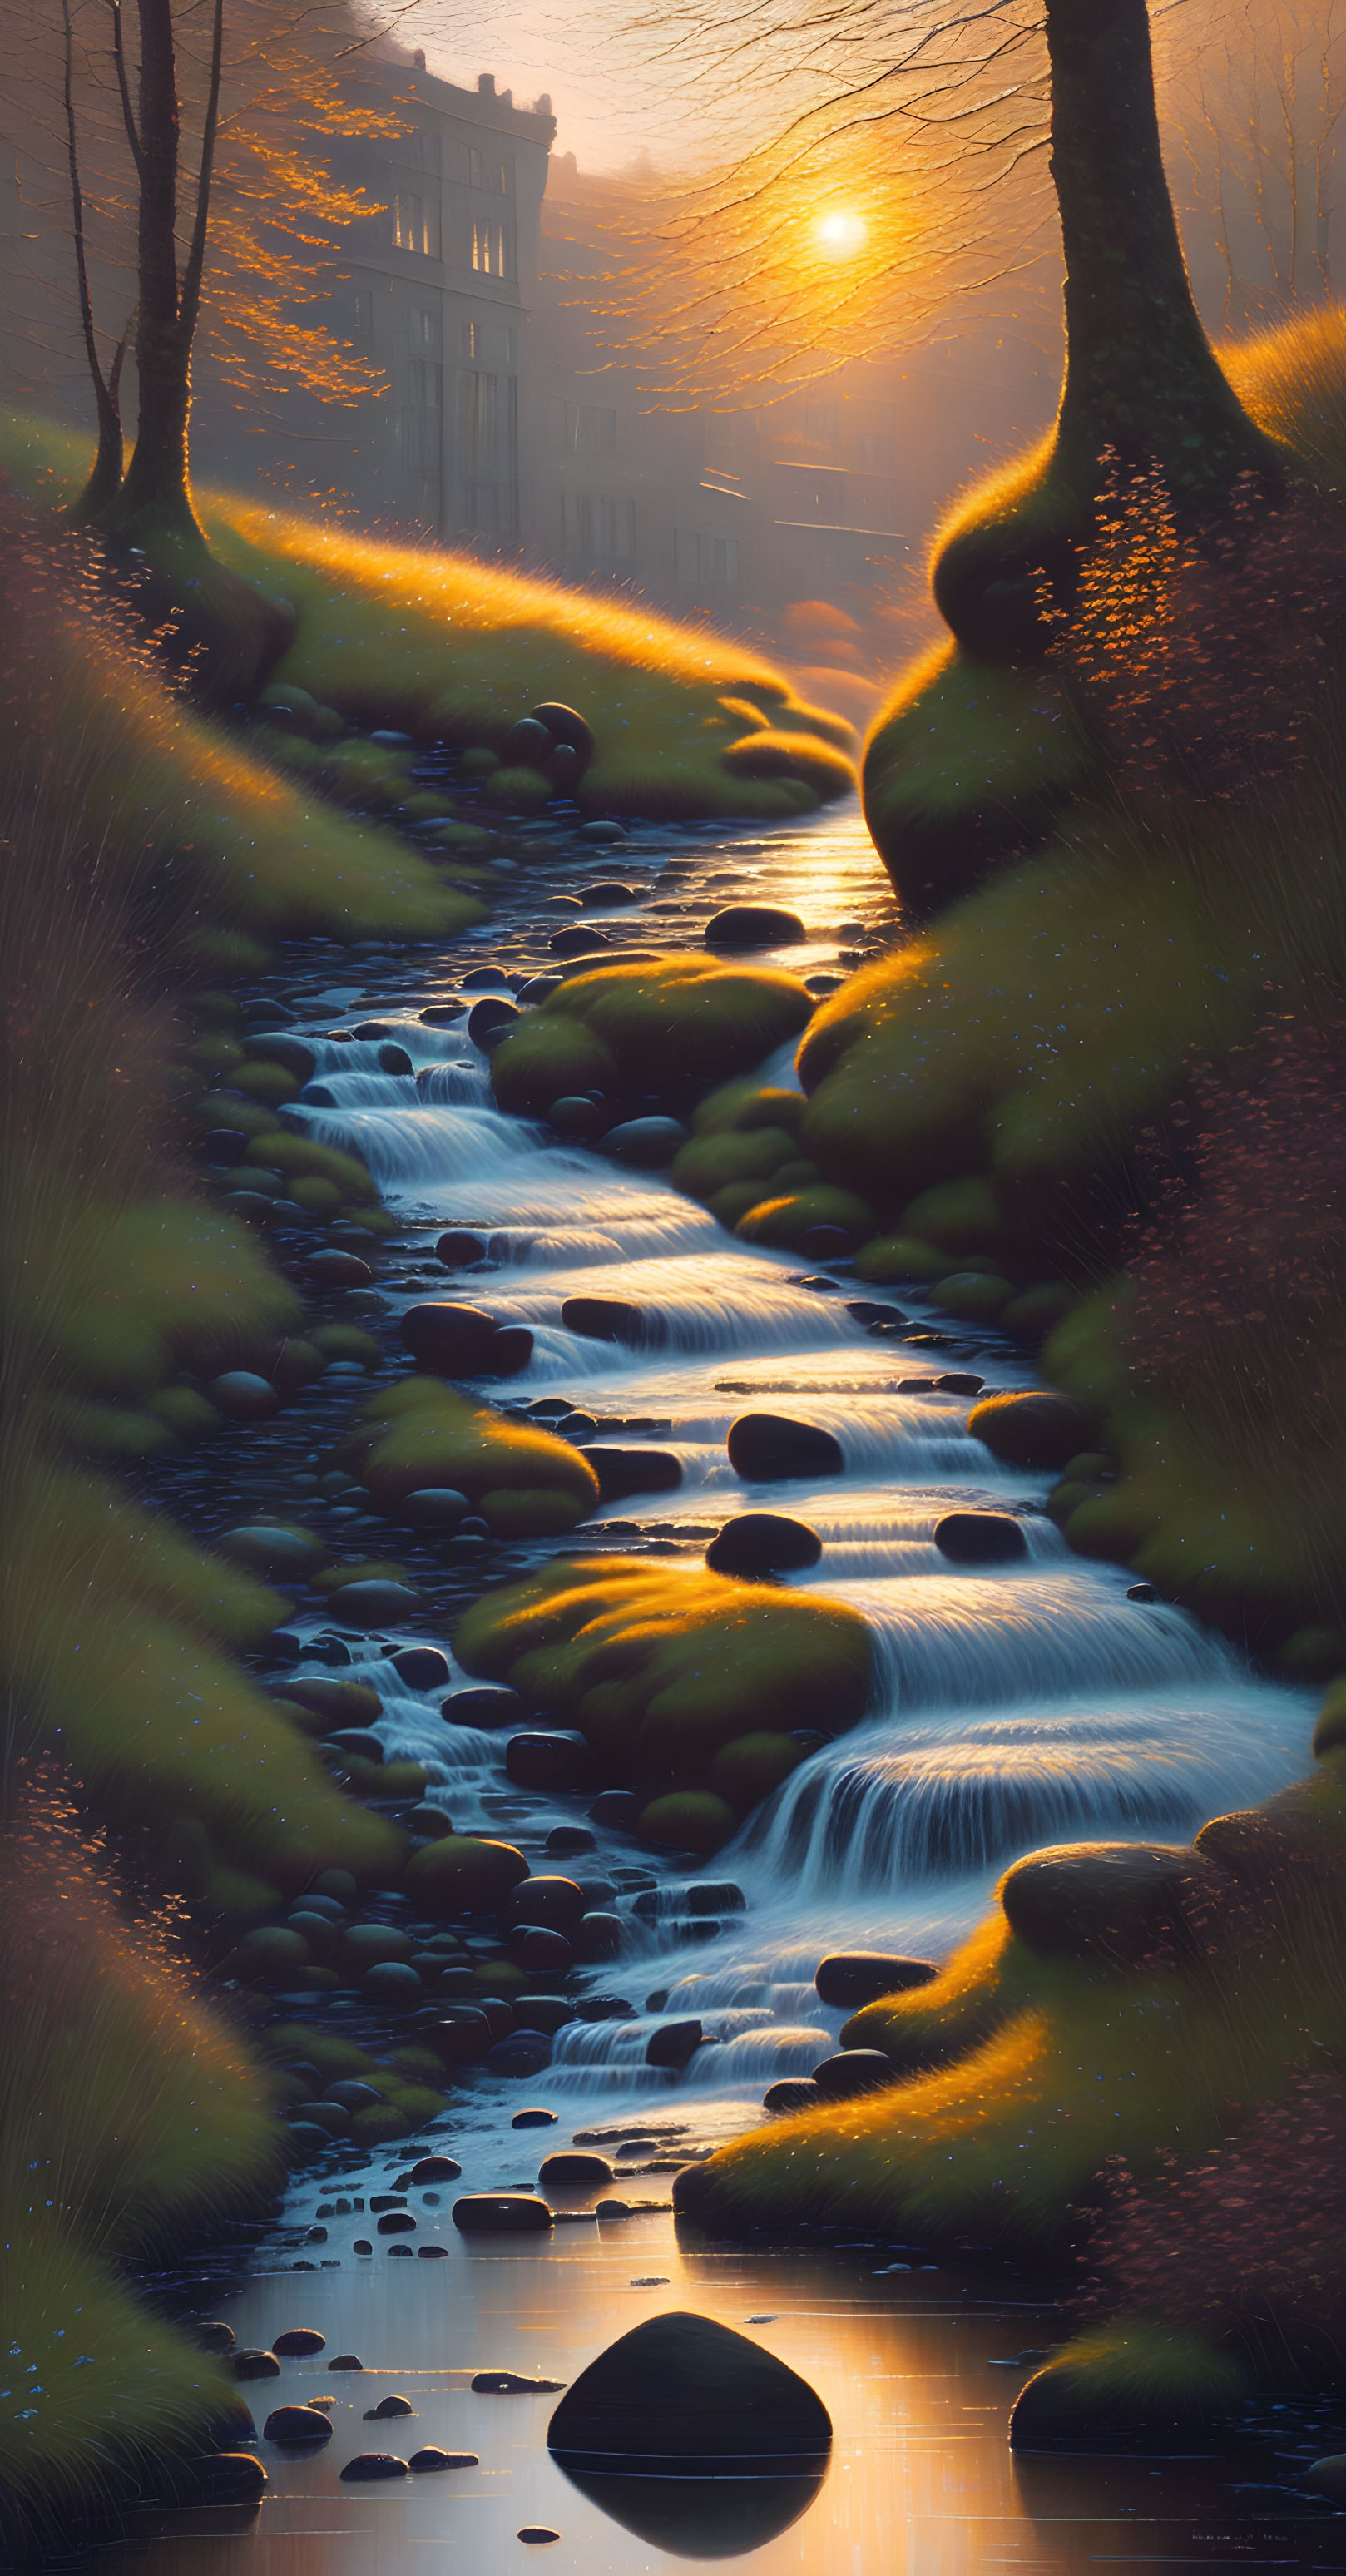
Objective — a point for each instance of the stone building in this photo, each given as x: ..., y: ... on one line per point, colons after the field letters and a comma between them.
x: 436, y: 291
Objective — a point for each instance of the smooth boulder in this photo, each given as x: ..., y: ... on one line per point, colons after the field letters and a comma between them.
x: 484, y: 2213
x: 645, y: 1144
x: 1038, y: 1430
x: 759, y: 1543
x: 767, y: 1447
x: 1121, y: 1905
x: 610, y: 1319
x: 980, y: 1538
x: 852, y: 2071
x: 753, y: 925
x: 849, y: 1978
x: 682, y: 2396
x: 298, y: 2424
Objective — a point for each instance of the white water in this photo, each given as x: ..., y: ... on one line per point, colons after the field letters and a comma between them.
x: 1011, y: 1707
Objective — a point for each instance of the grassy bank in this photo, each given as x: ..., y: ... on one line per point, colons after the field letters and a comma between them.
x: 1094, y: 1099
x: 680, y: 723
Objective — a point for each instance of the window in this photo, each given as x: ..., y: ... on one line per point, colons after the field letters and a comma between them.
x: 600, y: 529
x: 479, y: 421
x: 417, y: 434
x: 424, y: 331
x: 415, y: 224
x: 583, y: 429
x: 705, y: 563
x: 490, y: 171
x: 492, y: 248
x: 421, y: 146
x: 362, y: 313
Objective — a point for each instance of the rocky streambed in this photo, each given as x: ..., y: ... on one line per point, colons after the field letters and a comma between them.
x: 1017, y: 1701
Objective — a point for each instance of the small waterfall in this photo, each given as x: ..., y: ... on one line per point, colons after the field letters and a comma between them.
x: 1012, y: 1706
x: 962, y: 1794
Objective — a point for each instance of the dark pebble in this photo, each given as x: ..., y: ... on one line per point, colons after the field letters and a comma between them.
x: 458, y: 1249
x: 980, y: 1538
x: 618, y: 1809
x: 300, y: 2340
x: 433, y: 2458
x: 770, y: 1445
x: 533, y: 2118
x: 436, y: 2169
x: 754, y: 925
x: 307, y: 2424
x: 346, y: 2361
x: 572, y: 2164
x: 854, y: 2070
x: 850, y: 1978
x: 506, y: 2214
x: 367, y: 2466
x: 764, y: 1543
x: 252, y: 2364
x: 386, y: 2408
x: 512, y: 2383
x: 422, y: 1667
x: 793, y: 2093
x: 483, y: 1704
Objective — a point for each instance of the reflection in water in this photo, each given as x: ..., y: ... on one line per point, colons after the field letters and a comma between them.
x: 701, y: 2517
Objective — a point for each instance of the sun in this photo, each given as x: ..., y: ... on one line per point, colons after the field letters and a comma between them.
x: 840, y: 234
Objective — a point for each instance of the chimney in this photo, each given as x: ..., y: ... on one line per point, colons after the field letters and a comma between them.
x: 486, y: 84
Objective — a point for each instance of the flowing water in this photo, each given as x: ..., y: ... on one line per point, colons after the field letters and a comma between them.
x: 1015, y: 1706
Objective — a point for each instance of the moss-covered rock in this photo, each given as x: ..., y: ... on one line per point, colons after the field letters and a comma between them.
x: 785, y: 1221
x: 965, y: 768
x: 420, y: 1434
x: 686, y: 1019
x: 1158, y: 1990
x: 463, y: 1874
x: 1132, y: 2386
x: 662, y: 1666
x: 687, y: 1820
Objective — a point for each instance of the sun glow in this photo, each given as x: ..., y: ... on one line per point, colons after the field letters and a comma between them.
x: 841, y: 234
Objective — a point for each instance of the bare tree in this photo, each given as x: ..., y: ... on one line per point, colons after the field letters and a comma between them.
x: 204, y: 122
x: 1260, y: 109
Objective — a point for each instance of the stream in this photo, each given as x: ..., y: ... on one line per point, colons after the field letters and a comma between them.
x: 1013, y: 1706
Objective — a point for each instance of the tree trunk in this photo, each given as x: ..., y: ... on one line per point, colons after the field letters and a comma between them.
x: 1141, y: 376
x: 156, y: 486
x: 105, y: 479
x: 222, y: 630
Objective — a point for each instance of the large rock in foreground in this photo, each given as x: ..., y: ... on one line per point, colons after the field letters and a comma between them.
x: 681, y: 2396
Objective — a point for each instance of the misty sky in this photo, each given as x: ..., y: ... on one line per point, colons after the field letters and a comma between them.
x: 611, y: 96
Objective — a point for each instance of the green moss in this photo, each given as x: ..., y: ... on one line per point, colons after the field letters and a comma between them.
x: 974, y: 1297
x: 687, y: 1820
x: 275, y: 1148
x: 551, y: 1057
x: 711, y: 1163
x: 443, y: 645
x: 1022, y: 2070
x: 696, y: 1021
x: 524, y: 1482
x: 661, y: 1666
x: 739, y: 1108
x: 1132, y: 2385
x: 965, y: 767
x: 119, y: 1658
x: 783, y: 1220
x: 129, y: 2115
